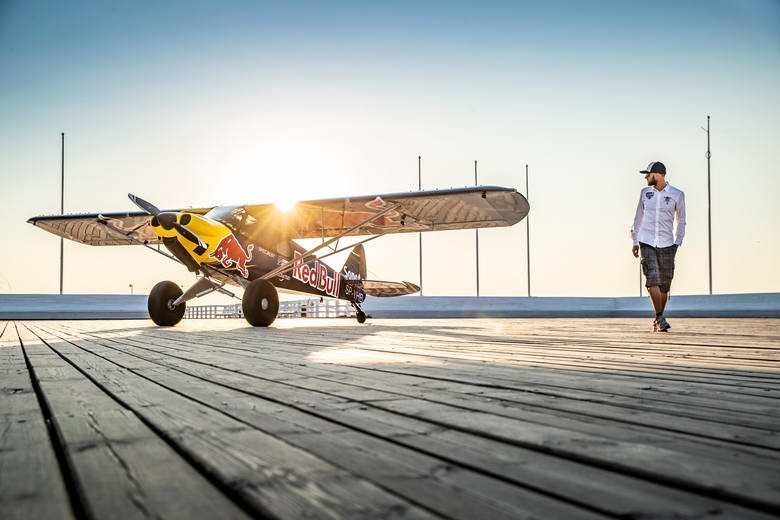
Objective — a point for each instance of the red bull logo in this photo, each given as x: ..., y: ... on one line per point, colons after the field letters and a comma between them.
x: 317, y: 276
x: 229, y: 253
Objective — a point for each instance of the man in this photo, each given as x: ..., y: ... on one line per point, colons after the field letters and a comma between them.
x: 654, y: 234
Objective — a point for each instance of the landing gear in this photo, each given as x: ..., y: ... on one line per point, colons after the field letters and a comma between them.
x: 260, y: 303
x: 161, y: 305
x: 356, y: 297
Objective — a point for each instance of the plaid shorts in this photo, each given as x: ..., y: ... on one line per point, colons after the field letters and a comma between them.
x: 658, y: 265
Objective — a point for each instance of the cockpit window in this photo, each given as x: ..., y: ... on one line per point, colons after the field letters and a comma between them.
x: 235, y: 217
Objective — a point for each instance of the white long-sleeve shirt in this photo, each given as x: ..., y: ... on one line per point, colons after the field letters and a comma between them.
x: 655, y: 217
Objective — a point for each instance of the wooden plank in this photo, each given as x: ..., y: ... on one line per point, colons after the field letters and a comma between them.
x: 656, y: 380
x: 605, y: 383
x: 31, y: 485
x: 122, y: 469
x: 372, y: 387
x: 331, y: 408
x: 382, y: 460
x: 271, y: 476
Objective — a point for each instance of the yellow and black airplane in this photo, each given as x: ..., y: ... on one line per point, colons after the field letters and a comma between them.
x: 254, y: 246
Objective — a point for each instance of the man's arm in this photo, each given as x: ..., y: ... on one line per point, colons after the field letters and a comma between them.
x: 680, y: 217
x: 638, y: 216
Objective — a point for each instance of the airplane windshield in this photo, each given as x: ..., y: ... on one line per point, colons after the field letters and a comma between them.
x: 235, y: 217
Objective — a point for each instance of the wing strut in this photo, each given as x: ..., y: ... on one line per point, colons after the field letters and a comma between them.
x: 350, y: 246
x: 290, y: 265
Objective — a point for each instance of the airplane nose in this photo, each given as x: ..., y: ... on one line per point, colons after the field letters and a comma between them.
x: 167, y: 220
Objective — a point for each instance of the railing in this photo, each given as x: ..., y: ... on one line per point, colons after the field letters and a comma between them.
x: 316, y: 309
x: 313, y: 308
x: 204, y: 312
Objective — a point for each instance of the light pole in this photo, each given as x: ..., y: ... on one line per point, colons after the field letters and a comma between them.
x: 131, y: 289
x: 62, y: 203
x: 709, y: 207
x: 419, y: 235
x: 528, y: 234
x: 476, y: 231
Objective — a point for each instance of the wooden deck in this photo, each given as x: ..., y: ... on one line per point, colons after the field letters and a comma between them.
x: 545, y: 418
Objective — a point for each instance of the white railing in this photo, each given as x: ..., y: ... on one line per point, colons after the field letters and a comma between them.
x: 203, y: 312
x: 316, y: 309
x: 313, y: 308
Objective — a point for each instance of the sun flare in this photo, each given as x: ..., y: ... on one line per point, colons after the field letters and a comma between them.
x: 284, y: 203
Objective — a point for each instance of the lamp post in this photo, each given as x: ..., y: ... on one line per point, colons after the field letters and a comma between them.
x: 528, y: 234
x: 476, y: 231
x: 709, y: 207
x: 62, y: 202
x: 131, y: 289
x: 419, y: 235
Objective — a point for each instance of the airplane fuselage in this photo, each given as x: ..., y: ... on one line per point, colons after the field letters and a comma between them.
x: 237, y: 255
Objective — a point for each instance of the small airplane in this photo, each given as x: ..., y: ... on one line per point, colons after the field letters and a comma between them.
x: 254, y: 246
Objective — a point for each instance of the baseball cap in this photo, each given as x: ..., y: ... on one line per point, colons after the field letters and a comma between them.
x: 655, y: 167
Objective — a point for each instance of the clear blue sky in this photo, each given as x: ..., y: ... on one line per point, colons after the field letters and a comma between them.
x: 205, y: 103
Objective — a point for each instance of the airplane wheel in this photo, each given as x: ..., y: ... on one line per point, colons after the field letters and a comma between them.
x: 160, y: 306
x: 260, y: 303
x: 361, y: 316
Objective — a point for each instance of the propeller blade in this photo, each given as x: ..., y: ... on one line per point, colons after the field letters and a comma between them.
x: 148, y: 207
x: 192, y: 237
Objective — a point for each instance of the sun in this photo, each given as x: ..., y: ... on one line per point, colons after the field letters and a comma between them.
x: 284, y: 202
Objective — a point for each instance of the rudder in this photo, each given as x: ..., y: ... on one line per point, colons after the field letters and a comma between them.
x: 355, y: 266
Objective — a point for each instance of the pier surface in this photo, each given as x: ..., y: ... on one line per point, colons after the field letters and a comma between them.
x: 466, y: 418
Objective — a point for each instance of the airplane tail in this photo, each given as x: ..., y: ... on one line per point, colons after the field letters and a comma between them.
x: 354, y: 271
x: 355, y: 266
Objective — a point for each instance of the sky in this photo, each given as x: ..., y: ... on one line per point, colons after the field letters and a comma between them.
x: 202, y: 103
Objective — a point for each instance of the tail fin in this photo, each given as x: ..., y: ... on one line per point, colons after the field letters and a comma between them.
x: 355, y: 266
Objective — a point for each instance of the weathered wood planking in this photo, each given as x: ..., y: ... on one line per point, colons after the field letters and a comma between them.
x: 119, y: 467
x: 273, y: 460
x: 399, y: 403
x: 273, y: 358
x: 31, y: 485
x: 268, y: 476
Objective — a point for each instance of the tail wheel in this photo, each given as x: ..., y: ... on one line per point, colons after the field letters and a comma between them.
x: 361, y: 316
x: 260, y: 303
x: 160, y: 304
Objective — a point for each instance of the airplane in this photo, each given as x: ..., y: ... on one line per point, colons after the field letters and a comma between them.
x: 254, y: 246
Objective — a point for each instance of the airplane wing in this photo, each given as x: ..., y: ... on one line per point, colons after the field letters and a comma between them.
x: 460, y: 208
x: 104, y: 229
x: 382, y: 288
x: 438, y: 210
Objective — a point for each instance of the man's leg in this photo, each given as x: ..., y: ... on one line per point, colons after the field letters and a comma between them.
x: 658, y: 298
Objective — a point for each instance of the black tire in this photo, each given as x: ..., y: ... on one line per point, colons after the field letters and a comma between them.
x: 260, y: 303
x: 361, y: 316
x: 159, y: 304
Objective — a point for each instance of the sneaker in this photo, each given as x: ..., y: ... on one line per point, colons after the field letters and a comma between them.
x: 661, y: 325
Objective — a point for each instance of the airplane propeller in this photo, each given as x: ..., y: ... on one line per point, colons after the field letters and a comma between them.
x: 167, y: 220
x: 148, y: 207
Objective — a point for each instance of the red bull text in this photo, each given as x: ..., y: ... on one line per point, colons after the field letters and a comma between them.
x: 229, y: 252
x: 317, y: 276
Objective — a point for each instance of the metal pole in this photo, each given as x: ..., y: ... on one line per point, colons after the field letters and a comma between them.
x: 419, y: 235
x: 62, y: 203
x: 528, y: 235
x: 709, y: 209
x: 477, y: 230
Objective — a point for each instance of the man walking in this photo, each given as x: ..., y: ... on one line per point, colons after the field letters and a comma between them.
x: 654, y: 234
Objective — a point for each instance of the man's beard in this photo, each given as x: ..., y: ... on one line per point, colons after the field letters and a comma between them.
x: 652, y: 181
